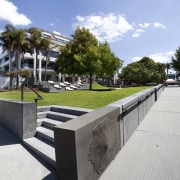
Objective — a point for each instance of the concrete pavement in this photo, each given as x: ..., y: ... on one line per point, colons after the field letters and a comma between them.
x: 16, y: 163
x: 153, y: 151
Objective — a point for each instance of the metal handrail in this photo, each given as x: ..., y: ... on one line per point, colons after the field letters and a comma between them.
x: 39, y: 97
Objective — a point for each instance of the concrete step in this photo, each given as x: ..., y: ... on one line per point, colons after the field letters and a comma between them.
x: 55, y: 116
x: 45, y: 134
x: 48, y: 117
x: 49, y: 123
x: 70, y: 110
x: 43, y: 108
x: 64, y: 109
x: 44, y: 150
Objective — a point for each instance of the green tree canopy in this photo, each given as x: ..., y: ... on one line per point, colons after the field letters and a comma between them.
x: 176, y: 60
x: 144, y: 71
x: 85, y: 56
x: 109, y: 62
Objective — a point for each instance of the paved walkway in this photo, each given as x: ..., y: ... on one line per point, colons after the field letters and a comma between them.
x: 16, y: 163
x: 153, y: 151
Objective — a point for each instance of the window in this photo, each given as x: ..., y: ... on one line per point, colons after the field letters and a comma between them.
x: 45, y: 34
x: 53, y: 54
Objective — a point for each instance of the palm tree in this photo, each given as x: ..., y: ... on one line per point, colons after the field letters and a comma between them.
x: 45, y: 44
x: 11, y: 76
x: 36, y: 45
x: 20, y: 46
x: 7, y: 38
x: 14, y: 41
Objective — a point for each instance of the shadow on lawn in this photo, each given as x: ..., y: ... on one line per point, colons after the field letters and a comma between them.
x: 103, y: 89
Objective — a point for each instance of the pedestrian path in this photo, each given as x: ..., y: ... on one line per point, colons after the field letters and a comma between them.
x: 16, y: 163
x: 153, y: 151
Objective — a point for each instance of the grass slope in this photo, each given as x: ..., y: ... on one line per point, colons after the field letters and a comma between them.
x: 98, y: 97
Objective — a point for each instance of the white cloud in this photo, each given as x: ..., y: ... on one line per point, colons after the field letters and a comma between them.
x: 9, y: 12
x: 159, y: 25
x: 108, y: 27
x: 137, y: 33
x: 158, y: 57
x: 112, y: 27
x: 170, y: 53
x: 145, y: 25
x: 137, y: 58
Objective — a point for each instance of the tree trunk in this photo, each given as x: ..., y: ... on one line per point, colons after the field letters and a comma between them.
x: 90, y: 82
x: 46, y: 70
x: 11, y: 83
x: 10, y: 62
x: 36, y: 77
x: 10, y: 70
x: 17, y: 68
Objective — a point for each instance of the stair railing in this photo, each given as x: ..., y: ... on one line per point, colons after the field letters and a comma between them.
x: 39, y: 97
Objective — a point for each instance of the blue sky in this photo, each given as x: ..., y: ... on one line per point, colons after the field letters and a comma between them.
x: 133, y: 28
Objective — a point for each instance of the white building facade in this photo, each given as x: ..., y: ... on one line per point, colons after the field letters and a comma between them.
x: 29, y: 61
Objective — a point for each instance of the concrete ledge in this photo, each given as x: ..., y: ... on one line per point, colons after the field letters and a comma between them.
x: 85, y: 146
x: 19, y: 117
x: 133, y: 110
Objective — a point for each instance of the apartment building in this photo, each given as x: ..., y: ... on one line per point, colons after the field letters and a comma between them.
x: 30, y: 60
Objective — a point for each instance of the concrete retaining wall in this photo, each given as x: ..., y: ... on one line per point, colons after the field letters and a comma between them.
x: 19, y: 117
x: 86, y: 145
x: 133, y: 110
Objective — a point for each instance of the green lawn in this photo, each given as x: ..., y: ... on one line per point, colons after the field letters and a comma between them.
x: 98, y: 97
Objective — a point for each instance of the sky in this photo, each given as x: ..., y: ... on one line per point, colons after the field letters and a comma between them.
x: 133, y: 28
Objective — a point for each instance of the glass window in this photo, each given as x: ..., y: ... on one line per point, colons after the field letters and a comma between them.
x: 53, y: 54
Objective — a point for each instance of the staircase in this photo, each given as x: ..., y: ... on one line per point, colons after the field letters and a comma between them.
x: 48, y: 117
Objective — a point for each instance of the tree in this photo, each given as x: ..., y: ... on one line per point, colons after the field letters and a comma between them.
x: 20, y: 46
x: 35, y: 39
x: 25, y: 73
x: 45, y: 46
x: 110, y: 63
x: 161, y: 74
x: 7, y: 37
x: 176, y: 60
x: 83, y: 56
x: 168, y: 66
x: 144, y: 71
x: 130, y: 73
x: 14, y: 42
x: 11, y: 76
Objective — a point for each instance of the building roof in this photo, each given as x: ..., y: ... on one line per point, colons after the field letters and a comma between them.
x: 54, y: 36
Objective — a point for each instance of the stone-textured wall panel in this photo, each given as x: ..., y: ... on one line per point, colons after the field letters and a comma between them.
x: 92, y: 143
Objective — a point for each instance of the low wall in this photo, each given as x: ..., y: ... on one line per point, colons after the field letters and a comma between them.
x: 19, y: 117
x: 85, y: 146
x: 133, y: 110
